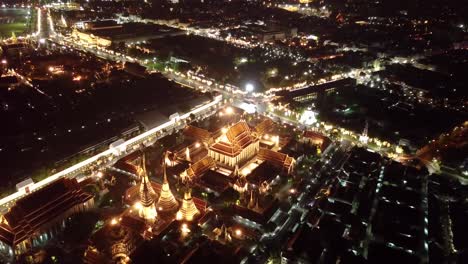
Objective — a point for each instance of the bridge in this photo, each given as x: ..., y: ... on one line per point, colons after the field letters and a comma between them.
x: 109, y: 157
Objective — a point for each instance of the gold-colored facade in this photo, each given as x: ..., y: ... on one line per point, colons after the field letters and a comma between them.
x: 166, y: 202
x: 91, y: 39
x: 236, y: 145
x: 188, y: 211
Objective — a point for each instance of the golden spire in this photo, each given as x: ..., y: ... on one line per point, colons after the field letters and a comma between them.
x: 166, y: 201
x: 188, y: 210
x: 164, y: 167
x: 144, y: 177
x: 252, y: 200
x: 146, y: 207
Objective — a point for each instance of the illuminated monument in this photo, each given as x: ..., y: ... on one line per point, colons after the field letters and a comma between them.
x: 146, y: 208
x: 188, y: 211
x: 166, y: 202
x: 236, y: 145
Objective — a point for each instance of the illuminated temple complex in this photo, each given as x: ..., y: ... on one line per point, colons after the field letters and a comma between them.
x: 236, y: 145
x: 36, y: 218
x: 233, y: 153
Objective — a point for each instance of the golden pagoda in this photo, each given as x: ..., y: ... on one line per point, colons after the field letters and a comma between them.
x: 146, y: 207
x: 144, y: 176
x: 166, y: 202
x: 188, y: 210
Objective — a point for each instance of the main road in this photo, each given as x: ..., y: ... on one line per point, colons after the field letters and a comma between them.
x: 107, y: 158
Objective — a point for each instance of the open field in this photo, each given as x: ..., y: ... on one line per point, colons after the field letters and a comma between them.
x: 16, y: 20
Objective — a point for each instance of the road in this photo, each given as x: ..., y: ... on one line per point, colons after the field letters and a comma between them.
x: 45, y: 28
x: 110, y: 156
x: 46, y: 31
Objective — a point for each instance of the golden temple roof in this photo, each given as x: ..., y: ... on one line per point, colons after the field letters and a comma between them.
x: 237, y: 137
x: 201, y: 166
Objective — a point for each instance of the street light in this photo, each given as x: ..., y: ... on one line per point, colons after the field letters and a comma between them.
x: 229, y: 110
x: 249, y: 87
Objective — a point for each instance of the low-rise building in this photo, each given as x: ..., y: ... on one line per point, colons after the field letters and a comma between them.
x: 40, y: 215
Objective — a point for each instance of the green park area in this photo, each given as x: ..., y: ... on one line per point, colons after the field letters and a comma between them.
x: 7, y: 29
x: 17, y: 20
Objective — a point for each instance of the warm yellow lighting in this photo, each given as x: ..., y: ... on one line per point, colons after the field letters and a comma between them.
x: 224, y: 130
x: 293, y: 191
x: 197, y: 145
x: 137, y: 205
x: 179, y: 216
x: 238, y: 232
x: 184, y: 228
x: 113, y: 221
x: 229, y: 110
x: 399, y: 150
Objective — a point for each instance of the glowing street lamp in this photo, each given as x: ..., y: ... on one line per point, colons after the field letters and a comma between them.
x: 249, y: 87
x: 229, y: 110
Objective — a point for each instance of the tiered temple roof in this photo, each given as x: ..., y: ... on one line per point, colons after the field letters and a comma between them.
x: 201, y: 166
x: 264, y: 126
x: 276, y: 158
x: 198, y: 133
x: 28, y: 216
x: 240, y: 134
x: 236, y: 139
x: 317, y: 139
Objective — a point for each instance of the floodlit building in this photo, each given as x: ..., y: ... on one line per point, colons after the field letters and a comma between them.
x: 39, y: 216
x: 188, y: 211
x: 166, y: 202
x: 146, y: 207
x: 236, y: 145
x: 277, y: 159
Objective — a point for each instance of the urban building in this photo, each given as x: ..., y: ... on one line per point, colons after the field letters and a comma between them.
x: 39, y: 216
